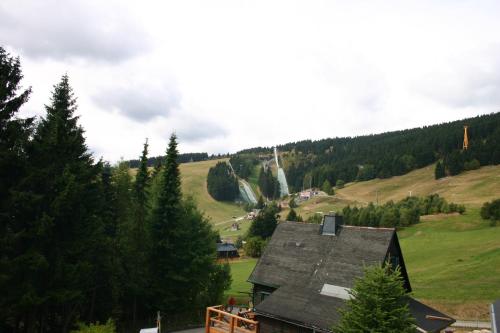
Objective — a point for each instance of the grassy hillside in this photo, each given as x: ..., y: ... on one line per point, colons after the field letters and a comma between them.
x: 471, y: 188
x: 194, y: 183
x: 454, y: 262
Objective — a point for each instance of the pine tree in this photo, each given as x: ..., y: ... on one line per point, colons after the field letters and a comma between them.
x: 67, y: 229
x: 14, y: 132
x: 292, y: 215
x: 439, y: 171
x: 183, y: 245
x: 379, y: 304
x: 260, y: 202
x: 166, y: 233
x: 137, y: 240
x: 327, y: 187
x: 264, y: 224
x: 14, y: 227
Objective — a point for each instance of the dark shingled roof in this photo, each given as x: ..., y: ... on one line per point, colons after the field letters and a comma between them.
x: 302, y: 306
x: 298, y: 254
x: 299, y: 260
x: 309, y: 308
x: 223, y: 247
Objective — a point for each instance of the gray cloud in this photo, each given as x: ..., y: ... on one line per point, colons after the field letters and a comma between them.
x: 71, y: 29
x: 139, y: 103
x: 195, y: 130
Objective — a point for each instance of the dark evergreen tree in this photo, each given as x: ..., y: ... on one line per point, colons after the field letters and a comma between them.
x: 454, y: 163
x: 439, y: 171
x: 18, y: 266
x: 293, y: 216
x: 264, y: 224
x: 66, y: 232
x: 182, y: 258
x: 260, y: 203
x: 136, y: 243
x: 327, y: 187
x: 166, y: 233
x: 268, y: 184
x: 222, y: 185
x: 243, y: 165
x: 379, y: 304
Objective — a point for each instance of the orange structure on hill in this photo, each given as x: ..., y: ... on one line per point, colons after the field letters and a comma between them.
x: 466, y: 139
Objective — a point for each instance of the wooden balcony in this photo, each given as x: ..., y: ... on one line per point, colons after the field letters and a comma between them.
x: 220, y: 321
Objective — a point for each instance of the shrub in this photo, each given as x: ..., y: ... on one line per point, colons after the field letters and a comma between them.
x: 255, y: 246
x: 472, y: 165
x: 109, y: 327
x: 491, y: 211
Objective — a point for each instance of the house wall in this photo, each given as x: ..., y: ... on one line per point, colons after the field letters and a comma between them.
x: 270, y: 325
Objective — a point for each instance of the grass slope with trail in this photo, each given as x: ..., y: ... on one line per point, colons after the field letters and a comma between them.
x: 194, y: 183
x: 471, y: 188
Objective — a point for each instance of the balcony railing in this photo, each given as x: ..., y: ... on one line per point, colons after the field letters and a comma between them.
x: 220, y: 321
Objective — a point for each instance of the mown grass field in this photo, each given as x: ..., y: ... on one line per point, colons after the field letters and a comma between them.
x: 194, y: 183
x: 240, y: 271
x: 471, y: 188
x: 454, y: 262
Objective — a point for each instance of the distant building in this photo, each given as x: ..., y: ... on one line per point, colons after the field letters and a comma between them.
x: 226, y: 251
x: 305, y: 195
x: 306, y: 271
x: 253, y: 214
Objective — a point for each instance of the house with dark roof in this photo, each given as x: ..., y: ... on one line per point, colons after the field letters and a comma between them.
x: 304, y: 275
x: 226, y: 251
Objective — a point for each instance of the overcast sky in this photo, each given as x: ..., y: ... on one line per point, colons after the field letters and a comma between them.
x: 228, y: 75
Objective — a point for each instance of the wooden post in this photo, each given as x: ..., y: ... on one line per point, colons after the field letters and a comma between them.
x: 207, y: 321
x: 231, y: 329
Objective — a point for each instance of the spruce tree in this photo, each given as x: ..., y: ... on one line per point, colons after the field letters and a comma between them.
x: 327, y: 187
x: 16, y: 265
x: 167, y: 233
x: 136, y: 249
x: 260, y: 203
x: 69, y: 232
x: 378, y: 304
x: 182, y: 257
x: 292, y: 215
x: 439, y: 171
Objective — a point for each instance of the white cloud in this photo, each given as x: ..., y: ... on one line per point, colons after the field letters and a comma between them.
x: 89, y: 30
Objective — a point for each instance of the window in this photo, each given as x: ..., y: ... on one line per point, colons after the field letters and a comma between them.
x: 263, y: 295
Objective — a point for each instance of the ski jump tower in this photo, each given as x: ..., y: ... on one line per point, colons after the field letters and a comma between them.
x: 281, y: 176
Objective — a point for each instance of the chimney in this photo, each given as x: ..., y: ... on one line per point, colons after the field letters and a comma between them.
x: 331, y: 224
